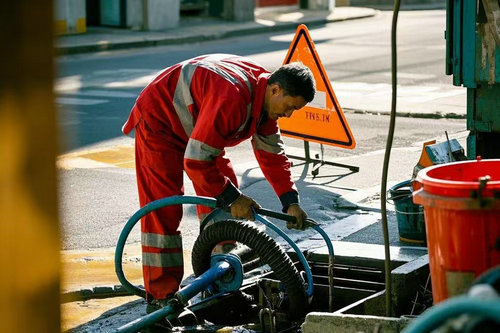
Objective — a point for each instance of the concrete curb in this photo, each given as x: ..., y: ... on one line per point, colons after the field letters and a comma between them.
x: 434, y: 115
x: 94, y: 293
x: 280, y: 26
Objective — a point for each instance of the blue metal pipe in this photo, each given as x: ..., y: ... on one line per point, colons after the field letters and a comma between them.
x: 183, y: 296
x: 150, y: 319
x: 203, y: 281
x: 174, y: 200
x: 438, y: 314
x: 302, y: 259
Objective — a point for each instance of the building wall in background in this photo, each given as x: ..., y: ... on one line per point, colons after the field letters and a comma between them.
x: 69, y: 17
x: 161, y: 14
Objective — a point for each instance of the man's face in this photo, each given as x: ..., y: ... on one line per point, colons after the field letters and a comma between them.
x: 278, y: 105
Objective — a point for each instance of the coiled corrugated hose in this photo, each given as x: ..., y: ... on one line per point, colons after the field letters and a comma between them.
x: 265, y: 247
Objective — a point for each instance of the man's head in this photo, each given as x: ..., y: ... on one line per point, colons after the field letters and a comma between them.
x: 289, y: 88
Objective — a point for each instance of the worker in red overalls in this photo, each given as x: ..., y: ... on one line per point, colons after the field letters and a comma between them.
x: 183, y: 120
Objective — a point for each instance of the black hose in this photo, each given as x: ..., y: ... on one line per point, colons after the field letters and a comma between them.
x: 252, y: 264
x: 387, y: 156
x: 265, y: 247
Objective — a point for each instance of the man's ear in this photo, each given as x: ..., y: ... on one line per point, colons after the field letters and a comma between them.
x: 275, y: 89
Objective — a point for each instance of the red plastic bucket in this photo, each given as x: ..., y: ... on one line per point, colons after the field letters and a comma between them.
x: 462, y: 216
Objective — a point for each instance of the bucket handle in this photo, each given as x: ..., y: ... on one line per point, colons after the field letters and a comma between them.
x: 409, y: 213
x: 483, y: 181
x: 396, y: 197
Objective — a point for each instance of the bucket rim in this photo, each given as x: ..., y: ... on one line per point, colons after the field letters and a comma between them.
x: 431, y: 183
x: 392, y: 193
x: 399, y: 185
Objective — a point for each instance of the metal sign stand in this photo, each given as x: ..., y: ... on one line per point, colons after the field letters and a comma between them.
x: 319, y: 161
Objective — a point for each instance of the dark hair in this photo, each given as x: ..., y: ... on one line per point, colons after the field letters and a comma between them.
x: 295, y: 79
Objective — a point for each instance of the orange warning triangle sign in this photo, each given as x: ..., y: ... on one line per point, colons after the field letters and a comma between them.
x: 321, y: 120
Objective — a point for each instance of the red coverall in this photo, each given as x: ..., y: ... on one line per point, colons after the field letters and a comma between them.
x: 183, y: 120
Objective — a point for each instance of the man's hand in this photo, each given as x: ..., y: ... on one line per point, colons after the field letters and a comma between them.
x: 299, y: 214
x: 241, y: 208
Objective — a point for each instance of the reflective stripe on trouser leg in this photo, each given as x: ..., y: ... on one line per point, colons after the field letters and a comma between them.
x: 163, y: 268
x: 159, y: 168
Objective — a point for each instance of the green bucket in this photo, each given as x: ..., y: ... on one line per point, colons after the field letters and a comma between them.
x: 410, y: 216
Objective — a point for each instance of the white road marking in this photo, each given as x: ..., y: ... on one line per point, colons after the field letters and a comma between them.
x: 92, y: 93
x: 131, y: 77
x: 415, y: 76
x: 79, y: 101
x: 106, y: 93
x: 68, y: 83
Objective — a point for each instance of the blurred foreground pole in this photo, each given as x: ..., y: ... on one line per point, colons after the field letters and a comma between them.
x: 29, y: 232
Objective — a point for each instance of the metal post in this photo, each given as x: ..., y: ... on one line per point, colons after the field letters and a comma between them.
x: 319, y: 162
x: 307, y: 152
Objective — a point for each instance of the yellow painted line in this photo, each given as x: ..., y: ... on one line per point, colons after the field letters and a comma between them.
x: 69, y: 163
x: 117, y: 156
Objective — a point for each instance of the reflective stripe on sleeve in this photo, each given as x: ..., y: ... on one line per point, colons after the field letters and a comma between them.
x: 161, y: 241
x: 271, y: 143
x: 238, y: 71
x: 162, y: 259
x: 221, y: 72
x: 200, y: 151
